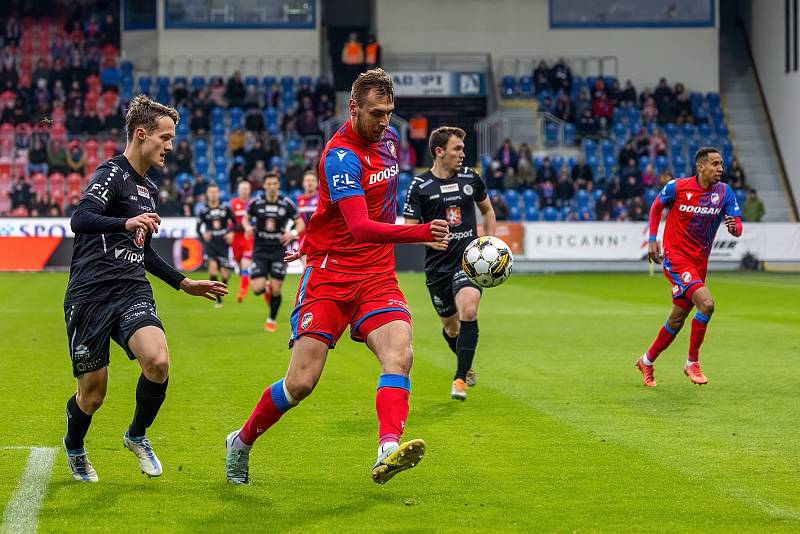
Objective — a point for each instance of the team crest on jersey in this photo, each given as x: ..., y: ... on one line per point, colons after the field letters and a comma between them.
x: 453, y: 215
x: 687, y: 277
x: 138, y: 237
x: 392, y: 150
x: 143, y: 192
x: 714, y: 198
x: 305, y: 322
x: 467, y: 189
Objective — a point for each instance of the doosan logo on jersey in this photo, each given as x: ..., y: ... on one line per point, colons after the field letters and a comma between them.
x: 385, y: 174
x: 701, y: 210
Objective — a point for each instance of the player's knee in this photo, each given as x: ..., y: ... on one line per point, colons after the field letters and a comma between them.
x: 706, y: 306
x: 452, y: 330
x: 300, y: 387
x: 399, y: 361
x: 156, y: 368
x: 468, y: 313
x: 92, y: 400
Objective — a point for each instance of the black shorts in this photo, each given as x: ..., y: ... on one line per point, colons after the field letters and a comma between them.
x: 443, y: 288
x: 217, y: 252
x: 269, y: 264
x: 90, y: 326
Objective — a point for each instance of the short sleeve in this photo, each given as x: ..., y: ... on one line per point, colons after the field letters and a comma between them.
x: 343, y: 173
x: 731, y: 205
x: 291, y: 209
x: 105, y: 186
x: 480, y: 188
x: 413, y: 207
x: 667, y: 194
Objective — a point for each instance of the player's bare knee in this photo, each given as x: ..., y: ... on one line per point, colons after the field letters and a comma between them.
x: 706, y: 306
x: 399, y: 361
x: 300, y: 387
x: 469, y: 313
x: 90, y: 401
x: 452, y: 330
x: 156, y: 367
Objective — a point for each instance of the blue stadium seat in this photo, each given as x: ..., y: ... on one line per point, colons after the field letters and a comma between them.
x: 634, y: 116
x: 508, y: 86
x: 537, y: 162
x: 557, y: 161
x: 183, y: 178
x: 662, y: 164
x: 609, y: 162
x: 268, y: 81
x: 530, y: 198
x: 722, y: 129
x: 585, y: 214
x: 126, y: 67
x: 162, y: 95
x: 201, y: 164
x: 251, y: 80
x: 551, y: 134
x: 220, y: 164
x: 704, y: 130
x: 486, y: 162
x: 126, y: 93
x: 582, y: 198
x: 200, y: 147
x: 218, y: 115
x: 620, y: 131
x: 607, y: 148
x: 271, y: 116
x: 198, y: 82
x: 618, y: 116
x: 570, y: 134
x: 550, y: 214
x: 644, y: 161
x: 305, y: 80
x: 597, y: 193
x: 593, y: 164
x: 572, y: 161
x: 589, y: 149
x: 162, y: 82
x: 514, y: 214
x: 181, y: 79
x: 689, y: 131
x: 609, y: 81
x: 566, y: 213
x: 182, y: 129
x: 670, y: 130
x: 219, y: 147
x: 526, y: 86
x: 531, y: 213
x: 217, y: 129
x: 512, y: 198
x: 109, y: 77
x: 691, y: 149
x: 293, y: 145
x: 649, y: 196
x: 404, y: 180
x: 678, y: 165
x: 713, y: 100
x: 145, y: 84
x: 287, y: 84
x: 237, y: 117
x: 276, y: 161
x: 274, y: 129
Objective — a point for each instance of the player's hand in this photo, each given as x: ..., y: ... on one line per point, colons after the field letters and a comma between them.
x: 730, y: 223
x: 206, y: 236
x: 229, y: 238
x: 146, y: 221
x: 292, y: 255
x: 654, y: 252
x: 440, y: 230
x: 209, y: 289
x: 248, y: 233
x: 286, y: 238
x: 440, y: 245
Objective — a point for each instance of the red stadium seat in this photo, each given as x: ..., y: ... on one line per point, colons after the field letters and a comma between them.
x: 74, y: 184
x: 19, y: 164
x: 7, y: 132
x: 58, y: 132
x: 93, y: 84
x: 39, y: 183
x: 6, y: 182
x: 91, y: 147
x: 5, y: 202
x: 109, y: 101
x: 90, y: 164
x: 5, y: 166
x: 6, y: 148
x: 25, y: 80
x: 109, y: 149
x: 57, y: 186
x: 58, y: 116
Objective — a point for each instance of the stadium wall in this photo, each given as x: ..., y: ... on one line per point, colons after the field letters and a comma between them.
x: 522, y: 28
x: 213, y: 44
x: 765, y: 28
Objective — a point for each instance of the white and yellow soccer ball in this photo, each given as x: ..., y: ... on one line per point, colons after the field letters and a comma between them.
x: 487, y: 261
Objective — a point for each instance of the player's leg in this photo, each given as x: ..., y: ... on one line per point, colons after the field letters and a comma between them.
x: 277, y: 274
x: 213, y: 274
x: 275, y: 287
x: 441, y: 292
x: 391, y: 343
x: 666, y: 335
x: 467, y: 300
x: 244, y: 273
x: 702, y: 299
x: 148, y: 345
x: 450, y: 328
x: 225, y: 272
x: 81, y: 407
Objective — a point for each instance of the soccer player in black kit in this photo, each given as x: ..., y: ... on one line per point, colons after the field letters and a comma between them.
x: 108, y: 295
x: 268, y: 221
x: 215, y: 227
x: 450, y: 191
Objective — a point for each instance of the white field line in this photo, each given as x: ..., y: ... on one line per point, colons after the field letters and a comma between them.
x: 22, y: 510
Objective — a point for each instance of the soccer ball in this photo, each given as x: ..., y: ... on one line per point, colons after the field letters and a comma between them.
x: 487, y: 261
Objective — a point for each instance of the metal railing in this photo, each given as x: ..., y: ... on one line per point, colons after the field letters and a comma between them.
x: 453, y: 62
x: 580, y: 65
x: 226, y: 65
x: 517, y: 124
x: 549, y: 121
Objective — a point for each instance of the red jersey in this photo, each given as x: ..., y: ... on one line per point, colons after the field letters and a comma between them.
x: 694, y: 217
x: 349, y: 166
x: 239, y: 208
x: 306, y: 204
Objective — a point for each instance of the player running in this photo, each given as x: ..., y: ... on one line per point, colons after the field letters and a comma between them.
x: 214, y: 227
x: 350, y: 280
x: 267, y: 220
x: 108, y: 295
x: 307, y: 202
x: 449, y: 191
x: 242, y: 246
x: 697, y: 206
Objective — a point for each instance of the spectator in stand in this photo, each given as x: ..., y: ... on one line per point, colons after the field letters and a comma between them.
x: 324, y: 87
x: 183, y: 158
x: 603, y: 111
x: 506, y: 155
x: 736, y: 176
x: 40, y: 71
x: 114, y: 122
x: 614, y: 189
x: 630, y: 169
x: 110, y: 31
x: 581, y: 174
x: 664, y: 179
x: 664, y: 97
x: 251, y: 99
x: 74, y: 124
x: 165, y: 206
x: 684, y: 110
x: 257, y: 153
x: 8, y: 67
x: 352, y: 56
x: 57, y: 73
x: 21, y: 194
x: 526, y: 171
x: 644, y: 95
x: 272, y: 96
x: 92, y: 124
x: 541, y: 78
x: 75, y: 70
x: 37, y: 158
x: 325, y: 108
x: 626, y: 154
x: 637, y: 210
x: 75, y: 95
x: 234, y: 91
x: 619, y: 211
x: 59, y: 49
x: 254, y: 120
x: 216, y: 92
x: 602, y: 208
x: 57, y: 157
x: 546, y: 105
x: 500, y: 207
x: 649, y: 110
x: 236, y: 174
x: 641, y: 143
x: 295, y: 170
x: 753, y: 209
x: 547, y: 173
x: 495, y: 178
x: 629, y: 94
x: 406, y: 157
x: 658, y: 144
x: 257, y: 174
x: 58, y: 94
x: 303, y: 92
x: 565, y: 109
x: 372, y: 53
x: 599, y: 88
x: 180, y: 94
x: 615, y: 94
x: 199, y: 185
x: 53, y: 210
x: 649, y: 177
x: 13, y: 32
x: 587, y: 124
x: 512, y: 180
x: 236, y: 142
x: 307, y: 124
x: 74, y: 200
x: 632, y: 187
x: 199, y: 123
x: 76, y: 158
x: 561, y: 77
x: 565, y: 190
x: 547, y: 196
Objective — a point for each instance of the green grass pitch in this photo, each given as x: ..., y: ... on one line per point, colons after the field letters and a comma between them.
x: 558, y: 435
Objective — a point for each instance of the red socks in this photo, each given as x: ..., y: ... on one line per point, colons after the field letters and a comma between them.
x: 391, y: 404
x: 699, y: 326
x: 665, y: 336
x: 272, y: 405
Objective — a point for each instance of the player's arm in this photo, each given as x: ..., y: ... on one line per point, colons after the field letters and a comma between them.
x: 246, y: 222
x: 230, y: 224
x: 733, y: 215
x: 202, y: 224
x: 155, y: 265
x: 485, y: 205
x: 89, y: 217
x: 412, y: 213
x: 662, y: 200
x: 343, y: 173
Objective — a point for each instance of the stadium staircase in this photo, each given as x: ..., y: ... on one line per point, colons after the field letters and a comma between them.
x: 747, y: 119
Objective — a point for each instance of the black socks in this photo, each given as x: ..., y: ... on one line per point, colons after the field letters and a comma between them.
x: 465, y: 347
x: 77, y: 424
x: 149, y: 398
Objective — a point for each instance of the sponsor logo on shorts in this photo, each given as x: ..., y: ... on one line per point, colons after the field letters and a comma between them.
x: 305, y: 322
x: 437, y: 301
x: 398, y: 303
x: 699, y: 210
x: 687, y: 277
x: 676, y: 290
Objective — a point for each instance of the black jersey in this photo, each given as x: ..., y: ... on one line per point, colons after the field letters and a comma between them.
x: 217, y: 221
x: 454, y: 201
x: 106, y: 259
x: 269, y: 219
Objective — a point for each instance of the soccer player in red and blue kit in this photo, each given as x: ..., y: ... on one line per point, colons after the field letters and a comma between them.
x: 307, y: 202
x: 698, y: 205
x: 350, y: 280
